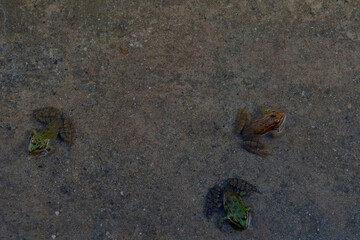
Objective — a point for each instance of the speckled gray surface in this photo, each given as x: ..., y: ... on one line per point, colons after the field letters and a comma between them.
x: 153, y: 90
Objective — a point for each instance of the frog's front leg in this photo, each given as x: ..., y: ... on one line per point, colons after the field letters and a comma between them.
x: 257, y: 147
x: 243, y: 119
x: 49, y: 150
x: 277, y: 134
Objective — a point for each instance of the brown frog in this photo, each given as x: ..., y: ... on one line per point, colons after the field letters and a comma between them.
x: 271, y: 121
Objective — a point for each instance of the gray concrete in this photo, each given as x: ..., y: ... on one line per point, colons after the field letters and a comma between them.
x: 153, y: 89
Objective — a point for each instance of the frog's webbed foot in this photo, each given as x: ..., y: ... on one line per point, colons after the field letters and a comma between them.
x: 46, y: 114
x: 257, y: 147
x: 66, y: 130
x: 243, y: 118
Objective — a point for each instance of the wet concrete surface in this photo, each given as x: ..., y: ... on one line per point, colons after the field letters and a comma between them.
x: 153, y: 89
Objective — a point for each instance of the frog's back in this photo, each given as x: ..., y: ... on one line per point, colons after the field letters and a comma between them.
x: 52, y: 129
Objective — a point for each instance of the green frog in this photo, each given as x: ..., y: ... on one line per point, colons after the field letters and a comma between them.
x: 56, y: 125
x: 236, y: 212
x: 226, y: 199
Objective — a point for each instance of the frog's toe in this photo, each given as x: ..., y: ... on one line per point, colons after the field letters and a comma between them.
x: 49, y: 150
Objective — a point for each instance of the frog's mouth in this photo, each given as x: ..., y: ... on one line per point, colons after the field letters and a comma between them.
x: 35, y: 149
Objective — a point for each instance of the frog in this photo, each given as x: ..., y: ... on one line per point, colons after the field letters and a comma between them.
x: 226, y: 199
x: 237, y: 214
x: 270, y: 122
x: 57, y: 124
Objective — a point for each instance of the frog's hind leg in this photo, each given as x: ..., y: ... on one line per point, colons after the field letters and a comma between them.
x: 66, y: 130
x: 213, y: 201
x: 257, y: 147
x: 46, y: 114
x: 243, y: 119
x: 265, y: 110
x: 242, y: 187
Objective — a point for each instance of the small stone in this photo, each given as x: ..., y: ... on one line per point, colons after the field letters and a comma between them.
x: 352, y: 36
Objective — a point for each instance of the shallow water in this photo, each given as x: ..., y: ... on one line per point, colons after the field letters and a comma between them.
x: 153, y: 90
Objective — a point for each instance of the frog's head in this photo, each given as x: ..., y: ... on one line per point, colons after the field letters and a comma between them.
x: 282, y: 121
x: 278, y: 118
x: 38, y: 145
x: 240, y: 219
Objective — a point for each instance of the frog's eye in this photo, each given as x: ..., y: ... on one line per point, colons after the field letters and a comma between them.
x: 277, y: 121
x: 244, y: 218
